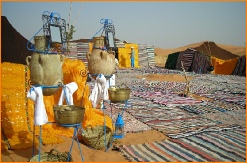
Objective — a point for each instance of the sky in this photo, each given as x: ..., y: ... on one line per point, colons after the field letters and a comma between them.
x: 161, y: 24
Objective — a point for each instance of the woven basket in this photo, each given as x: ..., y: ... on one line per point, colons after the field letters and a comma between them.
x: 95, y: 137
x: 52, y: 156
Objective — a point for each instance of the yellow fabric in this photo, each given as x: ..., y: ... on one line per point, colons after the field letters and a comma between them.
x: 124, y: 56
x: 17, y: 110
x: 224, y: 67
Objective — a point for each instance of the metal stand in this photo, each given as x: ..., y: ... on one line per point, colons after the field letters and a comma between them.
x: 114, y: 135
x: 125, y: 106
x: 76, y: 127
x: 40, y: 140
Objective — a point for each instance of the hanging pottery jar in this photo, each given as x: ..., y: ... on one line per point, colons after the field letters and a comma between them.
x: 41, y: 43
x: 99, y: 60
x: 45, y: 70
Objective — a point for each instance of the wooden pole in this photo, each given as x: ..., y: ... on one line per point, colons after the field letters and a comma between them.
x: 187, y: 87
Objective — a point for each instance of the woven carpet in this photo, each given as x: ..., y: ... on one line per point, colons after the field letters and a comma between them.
x: 223, y: 146
x: 172, y: 121
x: 131, y: 124
x: 183, y: 127
x: 210, y: 107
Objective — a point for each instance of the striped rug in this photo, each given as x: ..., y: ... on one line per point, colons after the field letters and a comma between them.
x: 224, y: 146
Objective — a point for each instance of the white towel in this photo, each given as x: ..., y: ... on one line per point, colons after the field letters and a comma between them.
x: 40, y: 115
x: 67, y: 93
x: 100, y: 90
x: 112, y: 81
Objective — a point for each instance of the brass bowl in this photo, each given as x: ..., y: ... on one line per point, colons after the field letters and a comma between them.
x: 117, y: 94
x: 68, y: 114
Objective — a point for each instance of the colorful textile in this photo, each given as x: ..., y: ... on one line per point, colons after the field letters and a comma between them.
x: 210, y: 108
x: 240, y: 68
x: 167, y: 99
x: 187, y: 58
x: 223, y: 146
x: 183, y: 127
x: 200, y: 63
x: 131, y: 124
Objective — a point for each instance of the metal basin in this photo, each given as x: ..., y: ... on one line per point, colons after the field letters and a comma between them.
x: 68, y: 114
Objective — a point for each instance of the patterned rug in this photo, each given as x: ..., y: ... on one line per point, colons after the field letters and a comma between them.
x: 223, y: 146
x: 183, y: 127
x: 167, y: 99
x: 210, y: 107
x: 131, y: 124
x: 175, y: 122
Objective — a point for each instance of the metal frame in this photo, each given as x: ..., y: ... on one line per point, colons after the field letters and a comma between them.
x: 50, y: 20
x: 109, y: 28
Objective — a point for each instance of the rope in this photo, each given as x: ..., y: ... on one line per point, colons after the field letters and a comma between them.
x: 209, y: 49
x: 78, y: 14
x: 205, y: 47
x: 69, y: 13
x: 95, y: 34
x: 105, y: 22
x: 33, y: 46
x: 29, y: 41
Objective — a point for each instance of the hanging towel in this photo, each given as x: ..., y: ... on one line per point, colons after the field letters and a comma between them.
x: 100, y: 90
x: 112, y: 81
x: 40, y: 115
x: 67, y: 93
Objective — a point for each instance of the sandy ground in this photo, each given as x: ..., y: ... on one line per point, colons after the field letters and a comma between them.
x: 89, y: 155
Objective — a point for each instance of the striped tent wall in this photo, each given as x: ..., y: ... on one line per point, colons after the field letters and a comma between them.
x: 200, y: 63
x: 186, y: 57
x: 240, y: 68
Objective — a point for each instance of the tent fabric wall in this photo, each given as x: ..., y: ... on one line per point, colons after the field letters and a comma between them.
x: 240, y: 68
x: 172, y: 61
x: 200, y: 63
x: 224, y: 67
x: 186, y: 57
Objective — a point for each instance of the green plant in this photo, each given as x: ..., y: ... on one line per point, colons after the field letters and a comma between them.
x: 69, y: 36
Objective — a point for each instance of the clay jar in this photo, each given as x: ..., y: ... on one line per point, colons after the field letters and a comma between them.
x: 100, y: 61
x: 46, y: 70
